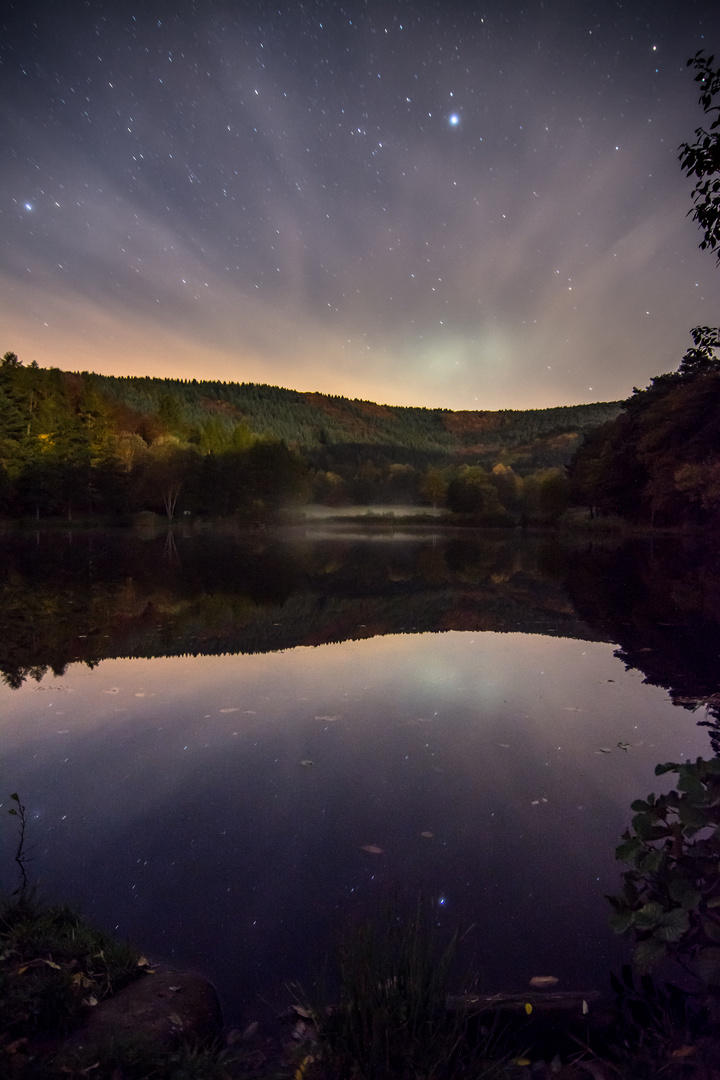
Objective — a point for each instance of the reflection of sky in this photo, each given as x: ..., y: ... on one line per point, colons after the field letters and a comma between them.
x: 167, y: 796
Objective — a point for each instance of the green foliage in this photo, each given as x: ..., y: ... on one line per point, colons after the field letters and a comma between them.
x: 670, y: 899
x: 657, y: 462
x: 51, y: 964
x: 701, y: 159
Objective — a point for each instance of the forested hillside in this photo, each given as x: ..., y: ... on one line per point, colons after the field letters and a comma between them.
x: 310, y: 421
x: 79, y: 444
x: 658, y: 462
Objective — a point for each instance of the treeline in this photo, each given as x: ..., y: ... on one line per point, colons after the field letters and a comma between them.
x: 312, y: 422
x: 658, y: 462
x: 81, y: 444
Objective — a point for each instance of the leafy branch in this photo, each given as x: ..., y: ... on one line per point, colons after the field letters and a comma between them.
x: 670, y: 898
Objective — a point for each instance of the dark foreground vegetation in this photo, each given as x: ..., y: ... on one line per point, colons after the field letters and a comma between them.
x: 390, y: 1016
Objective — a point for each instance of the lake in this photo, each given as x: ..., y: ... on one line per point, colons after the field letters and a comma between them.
x: 232, y: 746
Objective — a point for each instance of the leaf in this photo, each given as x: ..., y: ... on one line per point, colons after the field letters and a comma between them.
x: 647, y: 954
x: 627, y: 851
x: 673, y: 925
x: 307, y: 762
x: 648, y: 917
x: 710, y: 928
x: 373, y: 849
x: 427, y: 834
x: 693, y: 817
x: 706, y: 965
x: 90, y: 1000
x: 621, y: 921
x: 693, y: 787
x: 683, y: 893
x: 648, y: 827
x: 651, y: 861
x: 142, y: 962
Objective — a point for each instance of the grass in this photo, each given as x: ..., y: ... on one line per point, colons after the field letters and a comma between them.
x: 53, y: 968
x: 391, y: 1017
x: 52, y: 964
x: 388, y: 1019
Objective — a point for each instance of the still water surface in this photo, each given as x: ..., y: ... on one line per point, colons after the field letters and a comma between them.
x: 234, y: 812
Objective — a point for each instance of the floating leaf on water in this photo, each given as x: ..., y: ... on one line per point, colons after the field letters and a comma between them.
x: 427, y: 834
x: 604, y: 750
x: 528, y: 1010
x: 373, y: 849
x: 113, y: 690
x: 535, y: 802
x: 306, y: 762
x: 585, y: 1007
x: 329, y: 719
x: 175, y: 1019
x: 624, y: 746
x: 543, y: 982
x: 233, y: 708
x: 505, y: 745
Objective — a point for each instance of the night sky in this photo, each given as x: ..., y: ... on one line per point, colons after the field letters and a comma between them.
x: 472, y: 205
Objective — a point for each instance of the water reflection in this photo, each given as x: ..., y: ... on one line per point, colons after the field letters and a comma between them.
x: 169, y: 797
x: 459, y: 703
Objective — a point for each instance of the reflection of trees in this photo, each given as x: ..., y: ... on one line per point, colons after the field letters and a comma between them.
x: 660, y: 601
x: 189, y: 592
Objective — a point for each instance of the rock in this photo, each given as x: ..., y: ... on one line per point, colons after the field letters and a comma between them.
x: 166, y: 1007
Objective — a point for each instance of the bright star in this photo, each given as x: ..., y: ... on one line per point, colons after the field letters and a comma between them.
x: 453, y: 119
x: 28, y: 206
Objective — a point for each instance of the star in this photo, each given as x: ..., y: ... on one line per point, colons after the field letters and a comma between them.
x: 453, y: 119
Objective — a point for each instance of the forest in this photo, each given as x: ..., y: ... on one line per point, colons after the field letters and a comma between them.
x: 82, y: 445
x: 658, y: 462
